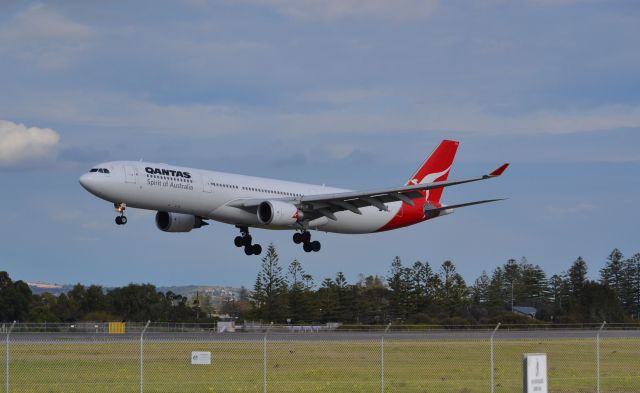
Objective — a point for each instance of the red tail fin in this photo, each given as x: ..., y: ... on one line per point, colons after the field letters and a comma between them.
x: 436, y: 168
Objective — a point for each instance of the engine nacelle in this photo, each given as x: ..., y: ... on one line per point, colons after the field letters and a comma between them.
x: 177, y: 222
x: 278, y: 213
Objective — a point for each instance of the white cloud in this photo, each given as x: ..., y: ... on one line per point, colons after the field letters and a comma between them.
x: 337, y: 9
x: 125, y: 112
x: 22, y: 145
x: 43, y: 37
x: 343, y: 111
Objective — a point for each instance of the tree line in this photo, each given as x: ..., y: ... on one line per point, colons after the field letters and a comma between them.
x: 133, y: 302
x: 420, y: 293
x: 416, y: 293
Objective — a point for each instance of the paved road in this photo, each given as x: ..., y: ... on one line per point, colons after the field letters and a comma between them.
x: 440, y: 335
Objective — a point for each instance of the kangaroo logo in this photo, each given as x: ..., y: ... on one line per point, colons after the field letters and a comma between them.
x: 430, y: 178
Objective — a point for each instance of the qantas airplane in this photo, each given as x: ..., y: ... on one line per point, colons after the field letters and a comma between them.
x: 185, y: 197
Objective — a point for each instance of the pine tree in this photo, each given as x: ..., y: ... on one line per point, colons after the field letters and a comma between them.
x: 400, y: 283
x: 270, y: 289
x: 577, y: 277
x: 557, y: 288
x: 634, y: 266
x: 612, y: 273
x: 300, y: 300
x: 342, y: 296
x: 534, y: 286
x: 496, y: 295
x: 619, y: 276
x: 628, y: 287
x: 480, y: 289
x: 512, y: 284
x: 454, y: 292
x: 328, y: 301
x: 421, y: 278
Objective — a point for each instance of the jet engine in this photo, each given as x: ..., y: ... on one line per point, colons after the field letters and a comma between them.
x: 278, y: 213
x: 177, y: 222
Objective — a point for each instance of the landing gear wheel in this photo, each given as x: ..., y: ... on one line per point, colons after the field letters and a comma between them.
x: 246, y: 240
x: 297, y: 238
x: 306, y: 237
x: 315, y: 246
x: 307, y: 247
x: 238, y: 241
x: 257, y: 249
x: 120, y: 208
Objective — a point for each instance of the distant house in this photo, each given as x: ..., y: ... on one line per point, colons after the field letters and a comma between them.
x: 528, y: 311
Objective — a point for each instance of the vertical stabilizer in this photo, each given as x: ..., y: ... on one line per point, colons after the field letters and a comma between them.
x: 436, y: 168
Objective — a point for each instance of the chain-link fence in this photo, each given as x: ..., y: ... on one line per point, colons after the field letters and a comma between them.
x: 159, y: 358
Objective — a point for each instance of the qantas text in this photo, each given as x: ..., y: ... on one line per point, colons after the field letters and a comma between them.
x: 167, y: 172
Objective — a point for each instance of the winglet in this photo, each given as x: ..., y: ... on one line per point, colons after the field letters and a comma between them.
x: 499, y: 171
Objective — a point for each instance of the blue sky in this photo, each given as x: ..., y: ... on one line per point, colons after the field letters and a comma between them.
x: 351, y: 93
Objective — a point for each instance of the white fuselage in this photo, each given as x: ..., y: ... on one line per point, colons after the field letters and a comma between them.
x: 207, y: 194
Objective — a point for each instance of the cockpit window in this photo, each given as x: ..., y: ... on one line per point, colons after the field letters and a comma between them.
x: 101, y: 170
x: 94, y: 170
x: 106, y: 170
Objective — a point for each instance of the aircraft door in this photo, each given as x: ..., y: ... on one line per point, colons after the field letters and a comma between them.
x: 207, y: 184
x: 130, y: 172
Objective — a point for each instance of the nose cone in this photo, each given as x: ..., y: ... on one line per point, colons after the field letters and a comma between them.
x: 88, y: 181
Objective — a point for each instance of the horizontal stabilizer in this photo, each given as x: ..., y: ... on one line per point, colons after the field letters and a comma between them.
x: 437, y: 209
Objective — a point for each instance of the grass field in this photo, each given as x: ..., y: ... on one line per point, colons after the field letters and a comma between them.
x: 327, y: 366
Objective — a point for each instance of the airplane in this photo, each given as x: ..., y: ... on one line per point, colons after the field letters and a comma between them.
x: 185, y: 198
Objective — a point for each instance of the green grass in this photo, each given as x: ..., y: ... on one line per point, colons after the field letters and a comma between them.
x: 329, y: 366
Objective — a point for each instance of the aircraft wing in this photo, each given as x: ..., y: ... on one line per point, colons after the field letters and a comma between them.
x: 327, y: 204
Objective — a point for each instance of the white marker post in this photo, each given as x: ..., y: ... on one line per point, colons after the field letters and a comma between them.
x: 534, y: 371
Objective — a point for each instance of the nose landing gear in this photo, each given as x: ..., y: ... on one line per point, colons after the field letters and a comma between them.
x: 244, y: 240
x: 305, y: 238
x: 120, y: 207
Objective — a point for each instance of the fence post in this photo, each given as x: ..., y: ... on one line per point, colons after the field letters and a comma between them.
x: 142, y: 356
x: 491, y: 355
x: 382, y: 358
x: 7, y: 355
x: 598, y: 356
x: 264, y: 358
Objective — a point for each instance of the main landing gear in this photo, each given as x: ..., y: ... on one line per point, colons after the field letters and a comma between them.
x: 121, y: 219
x: 305, y: 238
x: 244, y: 240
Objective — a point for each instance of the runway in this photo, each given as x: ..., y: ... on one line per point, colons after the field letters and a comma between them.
x: 439, y: 335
